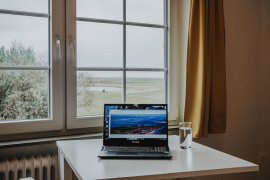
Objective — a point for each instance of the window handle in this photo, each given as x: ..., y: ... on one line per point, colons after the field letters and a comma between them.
x: 72, y: 50
x: 58, y: 50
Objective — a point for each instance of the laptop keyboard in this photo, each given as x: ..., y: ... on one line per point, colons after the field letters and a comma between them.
x: 134, y: 149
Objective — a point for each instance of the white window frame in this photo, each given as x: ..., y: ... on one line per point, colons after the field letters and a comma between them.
x: 56, y: 119
x: 63, y: 85
x: 96, y: 121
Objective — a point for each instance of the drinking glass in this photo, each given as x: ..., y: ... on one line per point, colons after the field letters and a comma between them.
x: 185, y: 135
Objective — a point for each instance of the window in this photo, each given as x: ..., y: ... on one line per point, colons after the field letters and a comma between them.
x: 31, y: 85
x: 66, y: 59
x: 121, y: 56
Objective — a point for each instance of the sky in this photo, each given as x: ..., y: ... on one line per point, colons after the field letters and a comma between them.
x: 98, y: 44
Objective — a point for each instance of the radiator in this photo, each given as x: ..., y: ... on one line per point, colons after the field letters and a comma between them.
x: 38, y: 167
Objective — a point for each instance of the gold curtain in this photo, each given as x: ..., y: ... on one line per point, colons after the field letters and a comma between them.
x: 205, y: 103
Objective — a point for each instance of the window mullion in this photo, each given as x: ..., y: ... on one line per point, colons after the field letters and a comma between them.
x: 86, y: 19
x: 124, y: 52
x: 23, y: 13
x: 24, y: 68
x: 166, y: 40
x: 120, y: 69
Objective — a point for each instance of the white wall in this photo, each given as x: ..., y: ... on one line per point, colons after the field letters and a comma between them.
x: 247, y: 27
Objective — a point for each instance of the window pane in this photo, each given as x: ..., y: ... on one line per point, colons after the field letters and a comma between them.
x: 145, y: 87
x: 100, y: 9
x: 40, y: 6
x: 24, y: 94
x: 150, y: 11
x: 24, y: 40
x: 145, y: 47
x: 94, y: 89
x: 99, y: 45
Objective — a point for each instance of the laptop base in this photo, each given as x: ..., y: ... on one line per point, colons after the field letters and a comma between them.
x: 135, y: 155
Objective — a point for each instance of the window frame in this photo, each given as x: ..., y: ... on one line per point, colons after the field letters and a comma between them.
x: 63, y: 86
x: 74, y: 121
x: 56, y: 69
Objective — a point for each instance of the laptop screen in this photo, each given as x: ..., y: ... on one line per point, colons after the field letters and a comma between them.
x: 135, y: 124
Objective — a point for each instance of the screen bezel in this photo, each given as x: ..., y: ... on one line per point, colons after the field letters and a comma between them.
x: 139, y: 143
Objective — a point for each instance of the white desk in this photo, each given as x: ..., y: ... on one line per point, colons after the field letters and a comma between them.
x: 80, y: 157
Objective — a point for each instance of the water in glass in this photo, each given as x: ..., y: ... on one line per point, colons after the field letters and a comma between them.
x: 185, y: 136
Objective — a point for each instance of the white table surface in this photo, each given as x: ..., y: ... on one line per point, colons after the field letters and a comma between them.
x: 81, y: 156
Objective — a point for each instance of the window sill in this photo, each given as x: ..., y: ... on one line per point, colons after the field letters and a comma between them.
x: 68, y: 136
x: 47, y: 140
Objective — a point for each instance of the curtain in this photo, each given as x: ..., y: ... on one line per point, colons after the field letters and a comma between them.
x: 205, y: 104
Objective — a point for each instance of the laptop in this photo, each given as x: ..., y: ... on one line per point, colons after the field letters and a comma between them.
x: 135, y: 131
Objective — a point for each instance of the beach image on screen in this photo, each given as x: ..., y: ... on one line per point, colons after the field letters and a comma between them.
x: 143, y: 124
